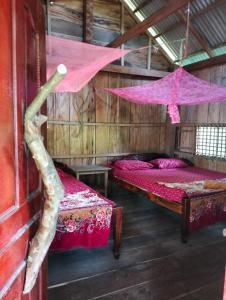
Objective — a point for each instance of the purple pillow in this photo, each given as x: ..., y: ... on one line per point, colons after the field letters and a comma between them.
x: 168, y: 163
x: 130, y: 165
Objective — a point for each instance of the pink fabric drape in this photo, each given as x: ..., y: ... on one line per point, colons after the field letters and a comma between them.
x: 177, y: 88
x: 82, y: 60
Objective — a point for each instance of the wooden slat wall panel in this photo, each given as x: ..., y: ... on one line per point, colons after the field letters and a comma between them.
x: 113, y: 143
x: 89, y: 103
x: 223, y: 104
x: 102, y: 139
x: 123, y: 138
x: 62, y: 107
x: 88, y: 127
x: 136, y: 108
x: 113, y: 100
x: 75, y: 101
x: 110, y: 21
x: 205, y: 113
x: 139, y: 58
x: 124, y: 106
x: 102, y: 105
x: 89, y: 143
x: 66, y: 19
x: 61, y: 139
x: 51, y: 106
x: 162, y: 140
x: 76, y: 145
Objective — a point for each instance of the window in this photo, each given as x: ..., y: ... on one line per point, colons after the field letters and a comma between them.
x: 211, y: 141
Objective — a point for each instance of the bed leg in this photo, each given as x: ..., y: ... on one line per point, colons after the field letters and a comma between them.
x: 117, y: 230
x: 185, y: 220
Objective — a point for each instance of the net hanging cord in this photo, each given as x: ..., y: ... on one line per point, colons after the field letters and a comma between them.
x: 186, y: 45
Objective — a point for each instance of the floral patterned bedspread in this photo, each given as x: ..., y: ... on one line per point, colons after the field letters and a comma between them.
x: 84, y: 212
x: 84, y: 218
x: 208, y: 206
x: 81, y: 199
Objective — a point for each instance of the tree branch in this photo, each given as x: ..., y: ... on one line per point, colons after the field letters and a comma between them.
x: 53, y: 187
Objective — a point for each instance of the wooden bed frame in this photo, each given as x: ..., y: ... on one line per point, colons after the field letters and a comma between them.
x: 183, y: 208
x: 117, y: 230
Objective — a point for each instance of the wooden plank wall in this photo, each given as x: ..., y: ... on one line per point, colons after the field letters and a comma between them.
x: 88, y: 128
x: 95, y: 127
x: 213, y: 113
x: 110, y: 19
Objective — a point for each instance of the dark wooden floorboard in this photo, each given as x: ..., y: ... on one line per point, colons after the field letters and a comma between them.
x: 154, y: 264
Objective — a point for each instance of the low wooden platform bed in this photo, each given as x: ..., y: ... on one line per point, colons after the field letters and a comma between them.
x: 178, y: 188
x: 85, y: 216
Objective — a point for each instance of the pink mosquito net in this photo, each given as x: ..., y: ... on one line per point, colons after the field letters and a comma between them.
x: 177, y: 88
x: 82, y: 60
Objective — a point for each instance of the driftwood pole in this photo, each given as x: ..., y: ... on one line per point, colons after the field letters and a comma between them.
x: 54, y: 191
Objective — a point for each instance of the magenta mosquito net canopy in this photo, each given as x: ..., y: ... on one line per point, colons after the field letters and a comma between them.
x: 177, y: 88
x: 82, y: 60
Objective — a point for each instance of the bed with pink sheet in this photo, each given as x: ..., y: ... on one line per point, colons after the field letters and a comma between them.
x: 181, y: 190
x: 85, y: 217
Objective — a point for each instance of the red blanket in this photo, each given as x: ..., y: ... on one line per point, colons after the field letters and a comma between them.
x: 207, y: 207
x: 153, y: 180
x: 85, y: 216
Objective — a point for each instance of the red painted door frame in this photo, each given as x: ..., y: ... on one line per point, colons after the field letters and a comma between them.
x: 22, y: 70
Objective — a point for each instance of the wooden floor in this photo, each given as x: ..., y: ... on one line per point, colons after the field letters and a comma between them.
x: 154, y: 264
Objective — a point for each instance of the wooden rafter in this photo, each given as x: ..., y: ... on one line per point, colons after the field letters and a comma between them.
x: 194, y: 16
x: 207, y: 63
x: 142, y: 5
x: 158, y: 16
x: 136, y: 19
x: 135, y: 71
x: 195, y: 33
x: 87, y: 20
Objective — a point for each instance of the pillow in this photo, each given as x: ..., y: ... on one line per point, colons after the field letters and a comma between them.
x: 145, y: 156
x: 168, y: 163
x: 132, y: 165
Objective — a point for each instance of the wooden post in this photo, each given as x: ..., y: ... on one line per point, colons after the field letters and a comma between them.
x: 185, y: 219
x: 87, y: 21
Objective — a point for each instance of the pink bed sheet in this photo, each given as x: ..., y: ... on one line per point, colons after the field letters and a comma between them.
x: 81, y: 225
x: 148, y: 179
x: 72, y: 185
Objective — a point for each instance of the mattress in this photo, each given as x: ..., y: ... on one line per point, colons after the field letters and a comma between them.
x: 171, y: 184
x: 84, y: 218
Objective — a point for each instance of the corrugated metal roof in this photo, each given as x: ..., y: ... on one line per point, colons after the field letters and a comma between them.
x: 212, y: 26
x: 208, y: 17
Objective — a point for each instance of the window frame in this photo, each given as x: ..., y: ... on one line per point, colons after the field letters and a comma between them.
x: 214, y: 144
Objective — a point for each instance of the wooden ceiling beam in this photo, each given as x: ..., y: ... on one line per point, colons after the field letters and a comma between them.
x: 171, y: 7
x: 207, y: 63
x: 135, y: 18
x: 135, y: 71
x: 87, y: 21
x: 195, y: 33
